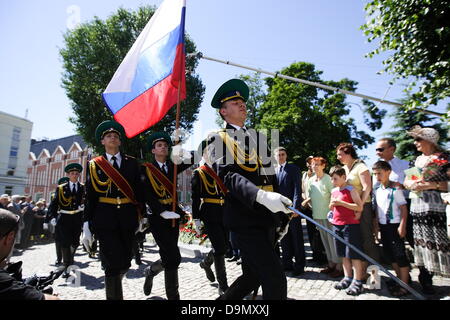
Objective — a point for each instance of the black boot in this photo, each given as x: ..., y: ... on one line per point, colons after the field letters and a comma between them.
x: 67, y: 260
x: 171, y: 282
x: 150, y: 273
x: 58, y: 253
x: 73, y: 250
x: 219, y: 265
x: 426, y: 281
x: 206, y: 265
x: 113, y: 287
x: 136, y: 252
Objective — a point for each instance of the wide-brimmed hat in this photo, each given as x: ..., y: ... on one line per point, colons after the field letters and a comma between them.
x: 428, y: 134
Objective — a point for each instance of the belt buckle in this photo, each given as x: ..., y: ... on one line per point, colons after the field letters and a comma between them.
x: 118, y: 202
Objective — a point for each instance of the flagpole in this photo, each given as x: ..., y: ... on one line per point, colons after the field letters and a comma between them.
x: 175, y: 167
x: 311, y: 83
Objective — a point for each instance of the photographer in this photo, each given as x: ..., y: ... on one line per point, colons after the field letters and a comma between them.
x: 10, y: 288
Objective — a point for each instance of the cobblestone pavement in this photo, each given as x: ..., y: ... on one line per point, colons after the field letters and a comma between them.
x: 312, y: 285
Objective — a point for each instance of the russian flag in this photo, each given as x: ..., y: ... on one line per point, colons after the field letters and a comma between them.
x: 146, y: 84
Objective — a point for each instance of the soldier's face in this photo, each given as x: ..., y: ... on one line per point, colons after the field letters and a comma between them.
x: 234, y: 111
x: 73, y: 176
x: 161, y: 149
x: 111, y: 140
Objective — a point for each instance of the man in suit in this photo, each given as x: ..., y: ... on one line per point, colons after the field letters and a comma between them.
x: 292, y: 244
x: 113, y: 201
x: 157, y: 180
x: 67, y: 208
x: 252, y: 210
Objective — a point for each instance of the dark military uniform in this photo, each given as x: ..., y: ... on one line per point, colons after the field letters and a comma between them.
x: 207, y: 205
x: 165, y: 231
x: 244, y: 174
x: 49, y: 217
x: 67, y: 208
x: 112, y: 217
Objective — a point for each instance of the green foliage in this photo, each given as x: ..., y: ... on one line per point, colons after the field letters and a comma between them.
x: 91, y: 55
x: 416, y: 34
x: 312, y: 121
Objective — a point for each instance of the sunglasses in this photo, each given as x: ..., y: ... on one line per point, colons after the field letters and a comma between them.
x: 379, y: 149
x: 418, y: 139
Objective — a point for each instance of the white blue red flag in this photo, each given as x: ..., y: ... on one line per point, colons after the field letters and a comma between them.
x: 145, y: 86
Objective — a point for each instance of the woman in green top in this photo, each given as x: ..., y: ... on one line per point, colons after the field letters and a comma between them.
x: 319, y: 190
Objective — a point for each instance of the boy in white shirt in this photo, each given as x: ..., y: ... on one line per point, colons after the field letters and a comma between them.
x: 392, y: 215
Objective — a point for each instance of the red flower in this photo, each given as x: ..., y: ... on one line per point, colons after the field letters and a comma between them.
x: 440, y: 162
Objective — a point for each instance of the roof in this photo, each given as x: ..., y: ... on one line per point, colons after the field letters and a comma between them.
x: 66, y: 142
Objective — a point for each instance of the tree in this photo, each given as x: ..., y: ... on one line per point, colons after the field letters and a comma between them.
x: 417, y: 33
x: 91, y: 55
x: 312, y: 121
x: 255, y: 99
x: 405, y: 120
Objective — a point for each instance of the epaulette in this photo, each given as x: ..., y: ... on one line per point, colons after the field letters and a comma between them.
x: 128, y: 156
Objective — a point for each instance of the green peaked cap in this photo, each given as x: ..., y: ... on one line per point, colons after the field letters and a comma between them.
x: 73, y: 167
x: 63, y: 180
x: 232, y: 89
x: 109, y: 126
x: 158, y: 136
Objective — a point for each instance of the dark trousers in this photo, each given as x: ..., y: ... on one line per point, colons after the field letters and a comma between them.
x: 26, y: 231
x: 116, y: 249
x: 234, y: 245
x: 293, y: 246
x: 409, y: 225
x: 166, y: 238
x: 218, y: 237
x: 315, y: 241
x: 260, y: 266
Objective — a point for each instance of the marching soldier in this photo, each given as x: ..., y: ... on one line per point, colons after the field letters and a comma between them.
x: 252, y: 210
x: 67, y: 207
x: 52, y: 220
x: 157, y: 178
x: 112, y: 205
x: 208, y: 198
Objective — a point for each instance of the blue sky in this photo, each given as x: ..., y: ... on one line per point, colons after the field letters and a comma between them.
x: 266, y: 34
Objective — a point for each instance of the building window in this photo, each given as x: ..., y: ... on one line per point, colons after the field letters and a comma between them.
x: 8, y: 190
x: 16, y: 134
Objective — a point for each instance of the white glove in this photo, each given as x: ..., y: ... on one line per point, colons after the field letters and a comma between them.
x: 282, y: 233
x: 53, y: 222
x: 142, y: 224
x: 45, y: 226
x: 87, y: 235
x: 179, y: 155
x: 273, y: 201
x: 197, y: 226
x: 169, y: 215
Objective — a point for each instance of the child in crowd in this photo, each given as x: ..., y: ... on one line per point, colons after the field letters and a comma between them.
x: 392, y: 212
x: 346, y: 205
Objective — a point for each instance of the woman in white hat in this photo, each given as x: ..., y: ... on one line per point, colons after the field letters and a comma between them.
x: 431, y: 250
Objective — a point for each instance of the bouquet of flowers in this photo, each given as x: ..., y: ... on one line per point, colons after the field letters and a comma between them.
x: 188, y: 233
x: 436, y: 169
